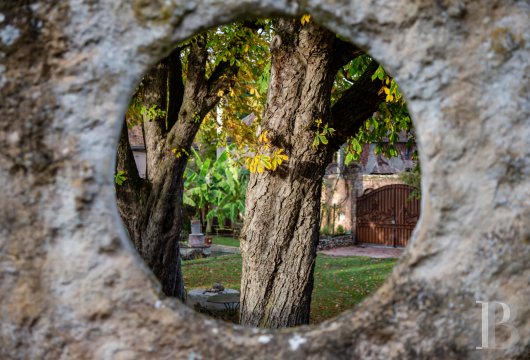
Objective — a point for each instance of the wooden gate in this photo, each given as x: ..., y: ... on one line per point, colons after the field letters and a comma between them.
x: 387, y: 216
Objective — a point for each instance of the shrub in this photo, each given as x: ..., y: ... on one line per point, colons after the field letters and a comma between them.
x: 325, y: 231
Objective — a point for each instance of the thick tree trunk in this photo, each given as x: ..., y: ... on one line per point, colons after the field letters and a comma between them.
x: 152, y: 209
x: 281, y: 229
x: 280, y: 233
x: 163, y: 210
x: 131, y: 195
x: 162, y: 224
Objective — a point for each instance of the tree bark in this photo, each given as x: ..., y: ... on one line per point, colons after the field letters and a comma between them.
x: 280, y: 233
x: 281, y: 229
x: 131, y: 195
x: 152, y: 209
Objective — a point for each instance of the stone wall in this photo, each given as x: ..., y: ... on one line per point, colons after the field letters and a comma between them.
x: 372, y: 182
x: 72, y: 285
x: 331, y: 242
x: 339, y: 196
x: 336, y: 202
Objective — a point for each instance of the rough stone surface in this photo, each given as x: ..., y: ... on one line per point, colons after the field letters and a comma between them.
x: 196, y: 240
x: 331, y: 242
x: 190, y: 253
x: 72, y: 285
x: 199, y: 297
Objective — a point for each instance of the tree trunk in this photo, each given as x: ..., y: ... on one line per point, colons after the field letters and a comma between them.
x: 131, y: 195
x: 152, y: 209
x: 280, y: 233
x: 208, y: 226
x: 164, y: 207
x: 281, y: 229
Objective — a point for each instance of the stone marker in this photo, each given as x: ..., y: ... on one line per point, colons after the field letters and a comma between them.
x: 196, y: 238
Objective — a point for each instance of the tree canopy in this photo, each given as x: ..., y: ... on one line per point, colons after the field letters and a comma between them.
x: 385, y: 127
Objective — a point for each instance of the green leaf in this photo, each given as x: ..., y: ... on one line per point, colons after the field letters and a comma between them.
x: 316, y: 142
x: 349, y: 158
x: 357, y: 147
x: 379, y: 73
x: 120, y: 177
x: 188, y: 201
x: 378, y: 149
x: 392, y: 151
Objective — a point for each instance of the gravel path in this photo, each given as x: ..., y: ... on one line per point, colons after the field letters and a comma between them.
x: 370, y: 251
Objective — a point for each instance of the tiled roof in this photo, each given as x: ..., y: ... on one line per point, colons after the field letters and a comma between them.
x: 370, y: 163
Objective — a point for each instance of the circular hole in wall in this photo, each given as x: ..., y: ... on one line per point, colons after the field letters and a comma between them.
x: 261, y: 137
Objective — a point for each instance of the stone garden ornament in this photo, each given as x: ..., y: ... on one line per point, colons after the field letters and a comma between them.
x: 71, y: 283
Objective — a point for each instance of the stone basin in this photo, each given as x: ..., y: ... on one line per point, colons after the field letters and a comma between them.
x: 199, y: 296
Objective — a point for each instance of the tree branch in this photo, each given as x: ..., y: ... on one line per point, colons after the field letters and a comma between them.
x: 343, y: 53
x: 220, y: 70
x: 196, y: 74
x: 221, y: 79
x: 356, y: 105
x: 175, y: 87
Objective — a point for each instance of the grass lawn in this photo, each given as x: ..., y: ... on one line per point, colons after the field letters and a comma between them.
x: 225, y: 240
x: 340, y: 283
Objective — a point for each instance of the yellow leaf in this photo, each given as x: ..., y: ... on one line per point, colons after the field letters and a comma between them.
x: 263, y: 137
x: 253, y: 164
x: 305, y: 19
x: 220, y: 93
x: 247, y: 47
x: 384, y: 89
x: 280, y: 156
x: 389, y: 98
x: 273, y: 164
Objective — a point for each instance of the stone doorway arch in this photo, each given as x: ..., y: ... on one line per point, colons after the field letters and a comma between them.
x: 73, y: 287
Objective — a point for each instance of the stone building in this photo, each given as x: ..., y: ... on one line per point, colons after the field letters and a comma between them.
x: 343, y: 184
